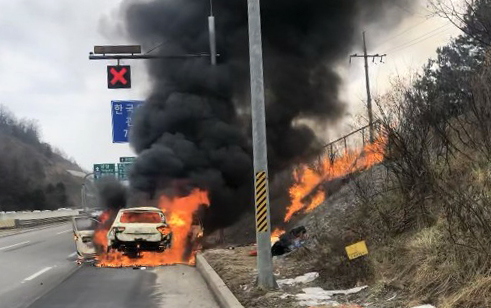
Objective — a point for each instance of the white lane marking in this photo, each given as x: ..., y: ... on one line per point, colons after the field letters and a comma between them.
x: 44, y: 270
x: 64, y: 231
x: 72, y: 255
x: 6, y: 247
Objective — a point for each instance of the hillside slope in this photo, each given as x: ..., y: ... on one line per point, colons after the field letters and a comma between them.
x: 32, y: 174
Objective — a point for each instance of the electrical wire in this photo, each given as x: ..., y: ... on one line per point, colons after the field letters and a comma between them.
x: 421, y: 38
x: 156, y: 47
x: 417, y: 42
x: 408, y: 10
x: 403, y: 32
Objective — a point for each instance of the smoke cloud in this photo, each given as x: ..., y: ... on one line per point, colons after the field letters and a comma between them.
x: 194, y: 129
x: 112, y: 194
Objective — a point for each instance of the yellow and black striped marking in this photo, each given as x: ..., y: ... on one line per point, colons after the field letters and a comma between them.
x: 261, y: 202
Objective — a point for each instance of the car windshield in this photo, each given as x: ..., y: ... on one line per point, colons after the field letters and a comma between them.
x: 141, y: 217
x: 85, y: 224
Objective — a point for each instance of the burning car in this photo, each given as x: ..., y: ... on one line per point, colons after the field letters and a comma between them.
x: 139, y: 229
x: 83, y: 233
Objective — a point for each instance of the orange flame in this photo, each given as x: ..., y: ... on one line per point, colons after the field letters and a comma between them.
x: 100, y: 234
x: 275, y: 235
x: 306, y: 194
x: 179, y: 213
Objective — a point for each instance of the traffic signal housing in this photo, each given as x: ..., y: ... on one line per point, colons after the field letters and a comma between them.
x: 118, y: 77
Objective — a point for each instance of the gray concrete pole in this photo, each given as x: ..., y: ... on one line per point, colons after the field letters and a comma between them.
x: 84, y: 206
x: 213, y: 43
x: 265, y: 277
x: 84, y: 191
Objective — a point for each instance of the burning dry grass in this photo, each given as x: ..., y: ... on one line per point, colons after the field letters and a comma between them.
x: 307, y: 194
x: 179, y: 213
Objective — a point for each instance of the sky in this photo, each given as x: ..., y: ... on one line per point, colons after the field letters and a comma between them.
x: 45, y: 73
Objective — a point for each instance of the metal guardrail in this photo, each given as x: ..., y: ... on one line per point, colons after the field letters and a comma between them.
x: 334, y: 148
x: 23, y: 223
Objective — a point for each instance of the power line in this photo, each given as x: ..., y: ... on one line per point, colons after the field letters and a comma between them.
x: 404, y: 31
x: 156, y: 47
x: 420, y: 38
x: 408, y: 10
x: 439, y: 33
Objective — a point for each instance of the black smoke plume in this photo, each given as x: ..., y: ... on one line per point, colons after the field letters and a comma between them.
x: 195, y: 125
x: 112, y: 194
x: 112, y: 197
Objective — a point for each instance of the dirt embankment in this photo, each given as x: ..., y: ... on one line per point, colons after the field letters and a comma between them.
x: 238, y: 270
x: 324, y: 253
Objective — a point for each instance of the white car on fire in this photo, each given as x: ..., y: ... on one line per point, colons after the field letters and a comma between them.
x: 83, y: 234
x: 139, y: 229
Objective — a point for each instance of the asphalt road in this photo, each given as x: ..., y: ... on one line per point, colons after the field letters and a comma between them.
x: 38, y: 270
x: 32, y: 263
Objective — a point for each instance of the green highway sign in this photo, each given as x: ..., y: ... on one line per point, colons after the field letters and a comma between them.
x: 123, y: 171
x: 102, y: 170
x: 127, y: 159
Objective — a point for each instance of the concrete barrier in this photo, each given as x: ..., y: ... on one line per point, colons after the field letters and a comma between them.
x: 225, y: 297
x: 30, y: 219
x: 38, y: 215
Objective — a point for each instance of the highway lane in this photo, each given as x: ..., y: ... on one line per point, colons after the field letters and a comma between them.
x: 169, y: 286
x: 33, y: 262
x: 38, y: 270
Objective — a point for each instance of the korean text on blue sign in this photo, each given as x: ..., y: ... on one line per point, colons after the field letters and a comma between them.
x: 122, y: 114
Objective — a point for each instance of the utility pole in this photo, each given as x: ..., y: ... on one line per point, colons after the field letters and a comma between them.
x: 367, y: 78
x: 84, y: 191
x: 211, y: 31
x: 265, y: 278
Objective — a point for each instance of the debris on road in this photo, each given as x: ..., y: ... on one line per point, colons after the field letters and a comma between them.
x: 317, y: 296
x: 309, y: 277
x: 253, y: 253
x: 289, y: 241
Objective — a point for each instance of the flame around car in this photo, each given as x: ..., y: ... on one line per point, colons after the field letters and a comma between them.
x: 177, y: 222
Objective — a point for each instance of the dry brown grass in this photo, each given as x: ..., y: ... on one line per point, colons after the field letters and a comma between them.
x: 477, y: 293
x: 432, y: 269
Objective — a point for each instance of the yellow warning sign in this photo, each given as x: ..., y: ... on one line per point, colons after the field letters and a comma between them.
x: 357, y: 250
x: 261, y: 202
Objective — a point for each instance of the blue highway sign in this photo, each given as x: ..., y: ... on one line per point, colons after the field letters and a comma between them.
x: 122, y: 113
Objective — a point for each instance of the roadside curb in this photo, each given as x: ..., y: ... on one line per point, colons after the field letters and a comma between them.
x: 225, y: 297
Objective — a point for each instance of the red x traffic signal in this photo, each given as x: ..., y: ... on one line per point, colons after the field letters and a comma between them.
x: 118, y: 77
